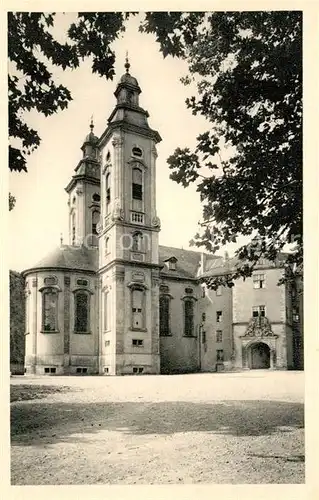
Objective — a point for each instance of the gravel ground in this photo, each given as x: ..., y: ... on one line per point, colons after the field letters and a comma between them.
x: 205, y: 428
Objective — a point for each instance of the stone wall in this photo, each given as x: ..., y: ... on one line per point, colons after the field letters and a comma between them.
x: 212, y: 302
x: 179, y: 353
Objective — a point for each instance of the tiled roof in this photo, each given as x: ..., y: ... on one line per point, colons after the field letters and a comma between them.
x: 70, y: 257
x: 221, y: 267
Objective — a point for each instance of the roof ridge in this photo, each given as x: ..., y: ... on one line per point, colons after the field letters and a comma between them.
x: 197, y: 252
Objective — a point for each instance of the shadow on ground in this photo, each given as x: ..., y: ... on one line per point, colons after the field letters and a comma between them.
x: 25, y: 392
x: 63, y: 422
x: 292, y: 458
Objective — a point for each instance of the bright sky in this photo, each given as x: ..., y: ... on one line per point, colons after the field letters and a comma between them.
x: 41, y: 214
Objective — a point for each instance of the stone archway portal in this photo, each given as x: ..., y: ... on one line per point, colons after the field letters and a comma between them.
x: 259, y: 356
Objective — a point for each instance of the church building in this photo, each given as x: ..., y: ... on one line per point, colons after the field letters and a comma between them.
x: 114, y: 302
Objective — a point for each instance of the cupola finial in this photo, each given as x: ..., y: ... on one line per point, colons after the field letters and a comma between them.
x: 91, y: 124
x: 127, y: 64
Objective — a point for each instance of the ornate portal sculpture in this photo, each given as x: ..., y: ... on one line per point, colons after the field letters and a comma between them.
x: 259, y: 327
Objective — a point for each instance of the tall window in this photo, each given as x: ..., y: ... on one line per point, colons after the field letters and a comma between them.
x: 137, y: 189
x: 49, y: 311
x: 81, y: 323
x: 164, y: 303
x: 137, y: 308
x: 95, y: 221
x: 219, y: 355
x: 108, y: 191
x: 106, y: 312
x: 188, y: 317
x: 106, y: 245
x: 219, y: 316
x: 73, y: 228
x: 258, y: 311
x: 259, y: 280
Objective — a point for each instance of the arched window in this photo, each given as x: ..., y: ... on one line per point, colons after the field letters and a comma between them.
x: 138, y: 299
x: 188, y: 317
x: 164, y: 303
x: 106, y: 245
x: 82, y: 312
x: 108, y: 191
x: 95, y: 221
x: 137, y: 189
x: 49, y: 310
x: 137, y: 243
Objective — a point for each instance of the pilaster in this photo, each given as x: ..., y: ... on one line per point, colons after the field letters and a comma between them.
x: 66, y: 339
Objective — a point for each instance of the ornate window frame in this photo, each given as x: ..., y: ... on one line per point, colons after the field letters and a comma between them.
x: 168, y: 297
x: 53, y: 289
x: 142, y: 288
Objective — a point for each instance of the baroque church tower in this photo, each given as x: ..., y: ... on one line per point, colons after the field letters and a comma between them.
x: 128, y: 238
x: 84, y: 195
x: 114, y: 302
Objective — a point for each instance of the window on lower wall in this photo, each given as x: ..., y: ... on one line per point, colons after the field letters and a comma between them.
x: 258, y: 311
x: 82, y: 311
x: 49, y: 370
x: 219, y: 336
x: 164, y: 303
x: 188, y: 317
x: 137, y: 342
x: 49, y: 310
x: 138, y: 369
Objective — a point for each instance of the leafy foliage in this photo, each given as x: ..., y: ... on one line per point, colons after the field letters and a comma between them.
x: 33, y: 50
x: 248, y: 164
x: 12, y: 202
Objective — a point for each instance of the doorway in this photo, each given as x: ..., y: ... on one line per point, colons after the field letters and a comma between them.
x: 259, y: 356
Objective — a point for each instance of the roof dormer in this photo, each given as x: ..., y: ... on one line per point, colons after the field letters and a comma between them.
x: 171, y: 263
